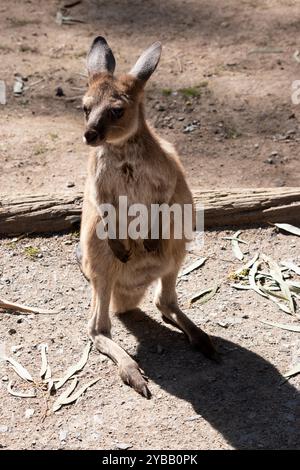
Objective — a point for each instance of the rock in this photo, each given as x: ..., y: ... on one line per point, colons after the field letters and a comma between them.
x: 59, y: 91
x: 5, y: 378
x: 29, y: 412
x: 70, y: 184
x: 12, y: 331
x: 223, y: 324
x: 97, y: 418
x: 190, y: 128
x: 123, y: 446
x: 194, y: 418
x: 3, y: 428
x: 63, y: 435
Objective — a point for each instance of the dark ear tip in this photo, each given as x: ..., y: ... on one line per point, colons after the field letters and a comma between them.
x: 99, y: 40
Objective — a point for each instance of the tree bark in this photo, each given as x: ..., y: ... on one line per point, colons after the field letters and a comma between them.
x: 236, y: 207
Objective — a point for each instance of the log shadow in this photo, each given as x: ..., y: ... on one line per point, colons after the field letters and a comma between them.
x: 243, y: 398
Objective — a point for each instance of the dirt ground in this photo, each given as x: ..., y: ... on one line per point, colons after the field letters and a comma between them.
x: 226, y: 70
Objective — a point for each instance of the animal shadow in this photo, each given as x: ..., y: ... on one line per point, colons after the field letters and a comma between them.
x: 244, y: 398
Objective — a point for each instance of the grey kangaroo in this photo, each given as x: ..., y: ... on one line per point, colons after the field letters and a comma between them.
x: 129, y: 159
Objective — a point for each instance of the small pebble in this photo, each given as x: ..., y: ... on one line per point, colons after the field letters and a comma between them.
x: 63, y: 435
x: 3, y: 428
x: 28, y: 413
x: 123, y: 445
x: 59, y: 91
x: 70, y: 184
x: 12, y: 331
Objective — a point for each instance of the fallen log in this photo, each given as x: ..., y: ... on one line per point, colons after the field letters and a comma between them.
x: 235, y: 207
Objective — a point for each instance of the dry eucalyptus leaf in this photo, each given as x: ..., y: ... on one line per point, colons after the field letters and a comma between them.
x: 296, y: 56
x: 236, y: 239
x: 241, y: 286
x: 2, y: 92
x: 276, y: 273
x: 252, y: 281
x: 44, y: 365
x: 76, y: 367
x: 205, y: 295
x: 16, y: 393
x: 235, y: 246
x: 283, y: 326
x: 289, y: 228
x: 19, y: 369
x: 248, y: 265
x: 292, y: 266
x: 192, y: 267
x: 60, y: 401
x: 79, y: 392
x: 6, y: 304
x: 293, y: 371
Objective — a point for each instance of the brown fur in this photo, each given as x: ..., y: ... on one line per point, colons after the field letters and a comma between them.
x: 130, y: 159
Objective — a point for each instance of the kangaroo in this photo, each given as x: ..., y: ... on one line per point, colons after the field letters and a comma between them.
x: 129, y: 159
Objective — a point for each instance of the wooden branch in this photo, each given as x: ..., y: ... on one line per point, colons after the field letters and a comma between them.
x: 251, y: 206
x: 238, y: 207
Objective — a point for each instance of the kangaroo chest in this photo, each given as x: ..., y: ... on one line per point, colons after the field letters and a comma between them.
x: 138, y: 180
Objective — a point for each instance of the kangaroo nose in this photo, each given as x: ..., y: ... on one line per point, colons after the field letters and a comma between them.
x: 91, y: 136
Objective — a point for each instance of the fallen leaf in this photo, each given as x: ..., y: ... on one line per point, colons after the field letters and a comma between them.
x: 276, y: 273
x: 2, y: 92
x: 79, y: 392
x: 19, y: 369
x: 192, y: 267
x: 16, y: 393
x: 289, y: 228
x: 6, y: 304
x: 205, y: 295
x: 44, y: 365
x: 283, y: 326
x: 241, y: 286
x: 60, y: 401
x: 235, y: 246
x: 76, y: 367
x: 292, y: 266
x: 293, y: 371
x: 236, y: 239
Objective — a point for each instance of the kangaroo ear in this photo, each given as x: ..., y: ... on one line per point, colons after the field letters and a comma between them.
x: 147, y: 63
x: 100, y: 57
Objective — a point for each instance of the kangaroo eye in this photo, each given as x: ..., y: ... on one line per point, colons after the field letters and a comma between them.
x: 117, y: 113
x: 86, y: 111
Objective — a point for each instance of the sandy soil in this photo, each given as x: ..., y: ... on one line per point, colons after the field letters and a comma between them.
x: 213, y: 75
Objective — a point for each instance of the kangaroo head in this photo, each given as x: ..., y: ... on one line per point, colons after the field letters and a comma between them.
x: 111, y: 104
